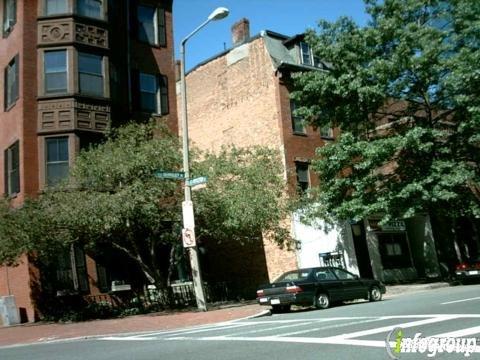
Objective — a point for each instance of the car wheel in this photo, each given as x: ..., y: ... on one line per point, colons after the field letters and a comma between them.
x: 322, y: 301
x: 375, y: 294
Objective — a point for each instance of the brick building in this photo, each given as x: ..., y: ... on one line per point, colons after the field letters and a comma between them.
x: 72, y: 68
x: 242, y: 96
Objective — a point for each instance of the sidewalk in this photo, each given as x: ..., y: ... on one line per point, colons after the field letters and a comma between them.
x: 41, y: 332
x: 396, y: 290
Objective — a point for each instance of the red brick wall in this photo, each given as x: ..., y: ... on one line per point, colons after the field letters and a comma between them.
x: 19, y: 123
x: 153, y: 59
x: 237, y: 100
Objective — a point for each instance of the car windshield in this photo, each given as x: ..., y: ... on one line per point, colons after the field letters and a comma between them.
x: 294, y: 275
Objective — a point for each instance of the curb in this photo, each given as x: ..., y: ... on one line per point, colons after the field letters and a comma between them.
x: 260, y: 314
x: 92, y: 337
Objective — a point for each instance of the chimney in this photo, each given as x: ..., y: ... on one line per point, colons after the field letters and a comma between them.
x: 240, y: 32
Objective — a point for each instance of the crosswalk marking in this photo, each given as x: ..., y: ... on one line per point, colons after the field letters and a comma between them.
x: 310, y: 326
x: 460, y: 333
x: 391, y: 327
x: 331, y: 327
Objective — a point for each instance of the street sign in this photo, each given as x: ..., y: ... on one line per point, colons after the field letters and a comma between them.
x: 188, y: 236
x: 199, y: 187
x: 197, y: 181
x: 176, y: 175
x: 187, y: 212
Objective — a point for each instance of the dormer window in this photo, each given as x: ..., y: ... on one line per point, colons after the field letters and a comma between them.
x: 307, y: 57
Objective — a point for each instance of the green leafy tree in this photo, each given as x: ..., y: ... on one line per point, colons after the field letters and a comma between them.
x: 404, y: 90
x: 244, y: 198
x: 113, y: 200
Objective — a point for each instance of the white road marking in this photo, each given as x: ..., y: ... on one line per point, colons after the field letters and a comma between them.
x: 462, y: 300
x: 460, y: 333
x: 330, y: 327
x: 270, y: 328
x: 344, y: 339
x: 128, y: 338
x: 391, y: 327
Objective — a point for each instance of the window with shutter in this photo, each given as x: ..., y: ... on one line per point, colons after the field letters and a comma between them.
x: 12, y: 169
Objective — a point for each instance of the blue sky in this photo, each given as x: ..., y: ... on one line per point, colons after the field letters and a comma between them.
x: 287, y: 17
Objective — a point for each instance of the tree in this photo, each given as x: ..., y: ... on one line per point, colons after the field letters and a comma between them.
x: 404, y: 92
x: 113, y: 200
x: 245, y: 196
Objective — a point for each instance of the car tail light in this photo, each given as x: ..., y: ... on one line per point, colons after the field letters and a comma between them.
x: 294, y: 289
x: 461, y: 266
x: 477, y: 265
x: 260, y: 293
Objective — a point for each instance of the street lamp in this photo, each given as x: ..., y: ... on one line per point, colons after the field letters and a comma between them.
x: 187, y: 208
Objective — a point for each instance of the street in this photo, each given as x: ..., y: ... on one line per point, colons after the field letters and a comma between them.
x: 349, y: 331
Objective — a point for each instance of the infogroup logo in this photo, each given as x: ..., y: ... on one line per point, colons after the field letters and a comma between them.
x: 429, y: 345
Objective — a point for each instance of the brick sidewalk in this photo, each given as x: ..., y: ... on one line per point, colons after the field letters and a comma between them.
x: 40, y: 332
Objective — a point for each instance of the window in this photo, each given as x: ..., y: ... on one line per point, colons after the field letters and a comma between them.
x: 151, y: 25
x: 12, y: 170
x: 303, y: 182
x: 90, y: 74
x: 153, y: 94
x: 325, y: 274
x: 11, y: 83
x: 344, y: 275
x: 72, y: 271
x: 306, y: 54
x: 294, y: 275
x: 53, y: 7
x: 307, y: 57
x: 55, y: 69
x: 394, y: 250
x: 90, y: 8
x: 326, y: 132
x: 57, y: 163
x: 9, y: 16
x: 298, y: 125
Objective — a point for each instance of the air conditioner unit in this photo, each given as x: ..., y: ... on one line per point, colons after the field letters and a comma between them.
x: 120, y: 286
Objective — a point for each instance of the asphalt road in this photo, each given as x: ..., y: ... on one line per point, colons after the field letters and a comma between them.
x: 350, y: 331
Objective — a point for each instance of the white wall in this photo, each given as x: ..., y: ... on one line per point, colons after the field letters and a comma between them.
x: 323, y: 238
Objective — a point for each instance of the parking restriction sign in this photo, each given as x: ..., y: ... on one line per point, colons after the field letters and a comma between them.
x: 188, y: 236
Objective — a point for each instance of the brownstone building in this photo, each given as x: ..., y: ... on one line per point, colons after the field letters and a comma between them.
x: 71, y: 69
x: 242, y: 96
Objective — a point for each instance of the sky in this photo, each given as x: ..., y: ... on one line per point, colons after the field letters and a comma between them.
x: 288, y: 17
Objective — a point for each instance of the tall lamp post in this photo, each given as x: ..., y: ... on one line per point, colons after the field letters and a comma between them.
x: 188, y: 220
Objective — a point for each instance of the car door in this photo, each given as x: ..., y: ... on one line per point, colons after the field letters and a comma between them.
x: 353, y: 288
x: 327, y: 281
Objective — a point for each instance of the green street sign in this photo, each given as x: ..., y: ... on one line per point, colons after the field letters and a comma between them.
x: 197, y: 181
x: 175, y: 175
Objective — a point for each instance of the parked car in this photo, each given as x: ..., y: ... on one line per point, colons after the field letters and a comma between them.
x: 468, y: 271
x: 318, y: 286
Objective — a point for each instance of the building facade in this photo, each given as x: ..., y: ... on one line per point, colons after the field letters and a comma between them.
x: 72, y: 69
x: 242, y: 97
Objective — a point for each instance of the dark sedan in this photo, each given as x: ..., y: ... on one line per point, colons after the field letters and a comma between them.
x: 319, y: 287
x: 468, y: 271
